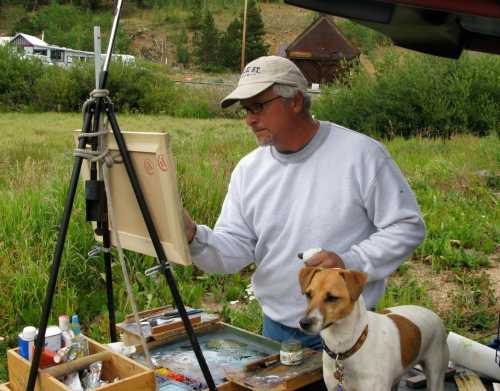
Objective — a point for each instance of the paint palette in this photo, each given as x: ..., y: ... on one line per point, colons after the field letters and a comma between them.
x: 225, y: 348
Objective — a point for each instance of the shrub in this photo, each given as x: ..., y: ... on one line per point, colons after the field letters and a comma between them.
x: 27, y: 84
x: 55, y: 90
x: 418, y: 94
x: 17, y: 78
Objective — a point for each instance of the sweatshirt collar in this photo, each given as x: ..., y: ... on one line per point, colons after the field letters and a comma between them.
x: 307, y: 150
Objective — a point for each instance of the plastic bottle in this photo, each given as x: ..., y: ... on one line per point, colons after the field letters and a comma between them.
x: 78, y: 338
x: 27, y: 341
x: 67, y: 335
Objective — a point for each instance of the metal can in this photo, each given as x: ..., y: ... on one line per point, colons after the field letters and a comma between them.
x: 291, y: 352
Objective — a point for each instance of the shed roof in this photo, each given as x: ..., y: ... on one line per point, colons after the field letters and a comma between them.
x: 34, y: 41
x: 322, y: 40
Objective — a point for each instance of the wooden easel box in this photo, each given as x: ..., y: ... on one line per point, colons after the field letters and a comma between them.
x: 175, y: 335
x: 294, y: 382
x: 132, y: 375
x: 214, y: 324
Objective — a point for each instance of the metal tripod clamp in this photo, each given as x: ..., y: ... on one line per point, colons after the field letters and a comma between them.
x: 154, y: 270
x: 99, y: 93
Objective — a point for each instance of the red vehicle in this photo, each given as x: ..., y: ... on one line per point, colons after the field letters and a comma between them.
x: 440, y: 27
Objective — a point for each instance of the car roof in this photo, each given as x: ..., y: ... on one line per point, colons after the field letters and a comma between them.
x: 440, y: 27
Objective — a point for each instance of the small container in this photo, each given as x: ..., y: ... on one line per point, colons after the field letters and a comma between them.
x: 291, y: 352
x: 66, y: 333
x: 27, y: 341
x: 53, y: 338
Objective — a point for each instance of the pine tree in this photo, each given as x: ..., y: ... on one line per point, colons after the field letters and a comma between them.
x: 207, y: 43
x: 195, y: 19
x: 230, y: 46
x: 182, y: 51
x: 254, y: 46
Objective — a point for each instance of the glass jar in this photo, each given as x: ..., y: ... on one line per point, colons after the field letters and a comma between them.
x: 291, y: 352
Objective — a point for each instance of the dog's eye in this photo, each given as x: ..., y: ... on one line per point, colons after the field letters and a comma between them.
x: 308, y: 295
x: 331, y: 298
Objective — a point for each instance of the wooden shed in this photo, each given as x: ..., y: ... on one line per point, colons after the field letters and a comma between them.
x: 321, y: 51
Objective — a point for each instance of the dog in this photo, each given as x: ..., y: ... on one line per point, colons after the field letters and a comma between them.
x: 364, y: 350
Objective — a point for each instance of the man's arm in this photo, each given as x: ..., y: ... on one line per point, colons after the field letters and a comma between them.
x: 229, y: 247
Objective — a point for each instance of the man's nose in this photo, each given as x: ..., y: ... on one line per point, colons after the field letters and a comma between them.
x: 251, y: 118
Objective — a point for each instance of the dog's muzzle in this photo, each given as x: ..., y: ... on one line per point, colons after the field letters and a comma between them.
x: 307, y: 324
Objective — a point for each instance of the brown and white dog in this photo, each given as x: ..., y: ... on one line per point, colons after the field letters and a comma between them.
x: 373, y: 350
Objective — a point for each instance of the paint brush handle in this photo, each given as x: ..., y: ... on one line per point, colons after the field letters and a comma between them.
x: 262, y: 363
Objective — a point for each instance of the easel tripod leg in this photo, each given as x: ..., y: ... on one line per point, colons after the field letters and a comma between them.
x: 162, y: 258
x: 42, y: 327
x: 56, y: 263
x: 109, y: 285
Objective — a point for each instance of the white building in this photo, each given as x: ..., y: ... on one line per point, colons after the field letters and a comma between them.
x: 4, y: 40
x: 53, y: 54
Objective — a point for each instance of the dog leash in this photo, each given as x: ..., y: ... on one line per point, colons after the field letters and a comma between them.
x: 339, y: 357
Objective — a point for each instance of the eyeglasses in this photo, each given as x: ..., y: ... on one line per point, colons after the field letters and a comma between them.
x: 257, y: 107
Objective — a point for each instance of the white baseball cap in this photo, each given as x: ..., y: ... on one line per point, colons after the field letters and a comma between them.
x: 262, y: 73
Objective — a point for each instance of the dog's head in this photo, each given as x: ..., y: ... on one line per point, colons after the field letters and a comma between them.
x: 331, y: 294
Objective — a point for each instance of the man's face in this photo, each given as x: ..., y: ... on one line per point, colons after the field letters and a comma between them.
x: 268, y: 115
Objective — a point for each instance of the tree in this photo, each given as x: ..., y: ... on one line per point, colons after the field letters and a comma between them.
x: 230, y: 46
x: 206, y: 44
x: 181, y: 46
x: 255, y: 47
x: 195, y: 19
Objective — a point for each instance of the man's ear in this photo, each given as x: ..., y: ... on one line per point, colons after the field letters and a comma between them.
x: 305, y: 276
x: 355, y: 281
x: 298, y: 103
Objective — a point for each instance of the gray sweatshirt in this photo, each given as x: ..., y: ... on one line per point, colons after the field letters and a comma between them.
x: 342, y: 192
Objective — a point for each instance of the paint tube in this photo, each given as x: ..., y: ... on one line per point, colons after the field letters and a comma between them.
x: 91, y: 377
x: 305, y: 255
x: 68, y: 353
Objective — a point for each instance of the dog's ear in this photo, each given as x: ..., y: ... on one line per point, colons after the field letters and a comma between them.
x: 355, y: 281
x: 305, y: 276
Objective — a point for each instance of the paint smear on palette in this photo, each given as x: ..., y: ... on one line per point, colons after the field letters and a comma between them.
x: 223, y: 351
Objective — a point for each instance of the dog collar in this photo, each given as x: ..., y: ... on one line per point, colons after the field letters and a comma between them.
x: 351, y: 351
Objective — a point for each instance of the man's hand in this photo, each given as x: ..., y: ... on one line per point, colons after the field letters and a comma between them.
x: 325, y: 259
x: 190, y: 226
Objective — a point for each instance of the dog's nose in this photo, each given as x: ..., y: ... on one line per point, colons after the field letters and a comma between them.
x: 305, y: 323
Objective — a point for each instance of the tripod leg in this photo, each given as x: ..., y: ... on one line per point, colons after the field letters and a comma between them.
x: 56, y: 263
x: 109, y: 285
x: 40, y: 340
x: 134, y: 181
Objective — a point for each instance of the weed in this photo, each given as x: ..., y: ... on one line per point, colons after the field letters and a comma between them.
x: 474, y: 304
x: 408, y: 291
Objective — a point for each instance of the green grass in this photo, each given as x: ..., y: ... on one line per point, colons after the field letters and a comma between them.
x: 456, y: 183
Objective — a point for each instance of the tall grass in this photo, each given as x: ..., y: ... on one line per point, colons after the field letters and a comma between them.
x: 452, y: 181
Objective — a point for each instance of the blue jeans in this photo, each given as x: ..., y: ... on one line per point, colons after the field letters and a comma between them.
x: 279, y: 332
